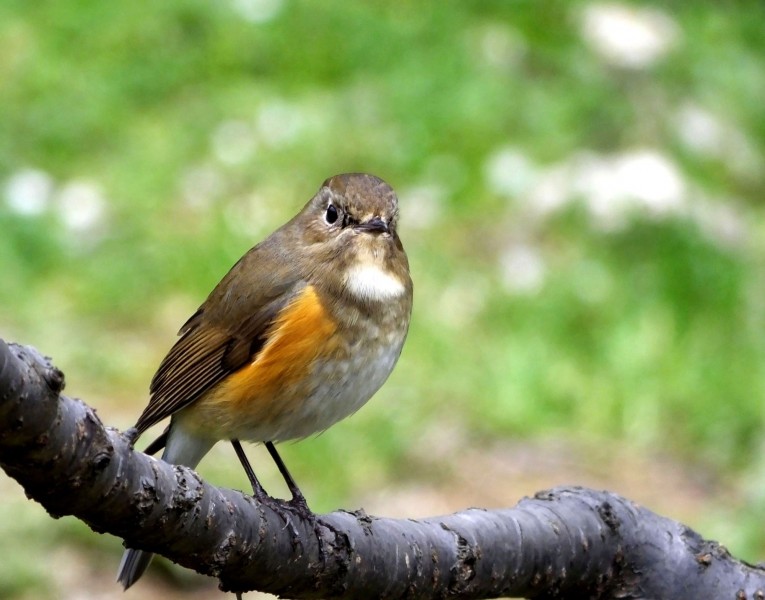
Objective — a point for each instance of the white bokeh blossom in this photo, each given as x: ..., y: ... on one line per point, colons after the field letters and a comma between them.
x: 628, y: 36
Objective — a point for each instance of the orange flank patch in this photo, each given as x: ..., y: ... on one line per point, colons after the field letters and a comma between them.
x: 276, y: 381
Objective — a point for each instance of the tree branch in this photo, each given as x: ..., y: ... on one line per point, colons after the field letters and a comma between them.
x: 564, y: 543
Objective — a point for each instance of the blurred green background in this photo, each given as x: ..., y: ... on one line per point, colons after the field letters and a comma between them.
x: 581, y: 190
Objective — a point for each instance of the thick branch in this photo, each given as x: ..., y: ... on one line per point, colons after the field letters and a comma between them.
x: 571, y: 543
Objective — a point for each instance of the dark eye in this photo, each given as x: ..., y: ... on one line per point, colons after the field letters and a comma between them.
x: 331, y: 215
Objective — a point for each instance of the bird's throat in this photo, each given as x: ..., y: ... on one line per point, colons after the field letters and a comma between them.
x: 369, y: 280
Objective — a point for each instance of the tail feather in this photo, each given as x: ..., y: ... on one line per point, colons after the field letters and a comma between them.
x: 159, y: 443
x: 132, y: 566
x: 181, y: 448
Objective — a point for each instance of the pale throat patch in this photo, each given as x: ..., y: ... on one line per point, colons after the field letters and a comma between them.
x: 369, y: 281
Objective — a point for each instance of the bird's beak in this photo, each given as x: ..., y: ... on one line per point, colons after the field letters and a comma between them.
x: 374, y: 225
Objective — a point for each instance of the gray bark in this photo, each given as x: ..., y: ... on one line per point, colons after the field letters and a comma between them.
x: 562, y: 543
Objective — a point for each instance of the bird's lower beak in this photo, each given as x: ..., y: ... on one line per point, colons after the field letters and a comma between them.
x: 374, y: 225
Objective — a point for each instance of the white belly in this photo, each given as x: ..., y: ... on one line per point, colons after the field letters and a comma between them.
x: 343, y: 387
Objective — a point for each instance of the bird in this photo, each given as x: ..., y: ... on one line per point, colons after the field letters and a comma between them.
x: 299, y: 334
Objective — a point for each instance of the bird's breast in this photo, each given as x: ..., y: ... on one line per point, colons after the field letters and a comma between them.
x: 319, y: 364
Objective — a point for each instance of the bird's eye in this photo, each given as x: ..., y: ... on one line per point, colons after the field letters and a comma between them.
x: 331, y: 215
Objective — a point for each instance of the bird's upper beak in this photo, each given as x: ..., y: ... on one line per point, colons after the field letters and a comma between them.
x: 374, y: 225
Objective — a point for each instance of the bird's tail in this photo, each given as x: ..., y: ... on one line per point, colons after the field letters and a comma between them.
x: 132, y: 566
x: 181, y: 448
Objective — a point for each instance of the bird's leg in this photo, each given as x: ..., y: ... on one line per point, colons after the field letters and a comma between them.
x: 159, y: 443
x: 298, y: 500
x: 299, y: 504
x: 262, y: 496
x: 131, y: 435
x: 257, y: 488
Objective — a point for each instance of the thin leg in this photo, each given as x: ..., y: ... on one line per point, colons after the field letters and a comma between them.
x: 257, y: 489
x: 297, y: 496
x: 159, y: 443
x: 131, y: 435
x: 260, y: 493
x: 299, y: 504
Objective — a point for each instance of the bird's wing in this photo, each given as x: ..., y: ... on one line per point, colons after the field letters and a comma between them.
x: 215, y: 342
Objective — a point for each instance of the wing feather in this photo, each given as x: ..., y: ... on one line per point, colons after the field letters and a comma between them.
x: 193, y: 366
x: 210, y: 348
x: 227, y: 331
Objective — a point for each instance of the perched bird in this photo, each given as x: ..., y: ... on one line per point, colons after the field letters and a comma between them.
x: 298, y: 335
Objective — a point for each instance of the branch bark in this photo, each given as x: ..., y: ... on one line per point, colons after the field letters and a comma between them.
x: 562, y: 543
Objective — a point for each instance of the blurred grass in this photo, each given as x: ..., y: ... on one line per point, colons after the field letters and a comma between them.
x: 202, y: 126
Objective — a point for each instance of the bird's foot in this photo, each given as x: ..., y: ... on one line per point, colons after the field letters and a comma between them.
x: 296, y: 509
x: 285, y: 511
x: 299, y: 506
x: 131, y: 435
